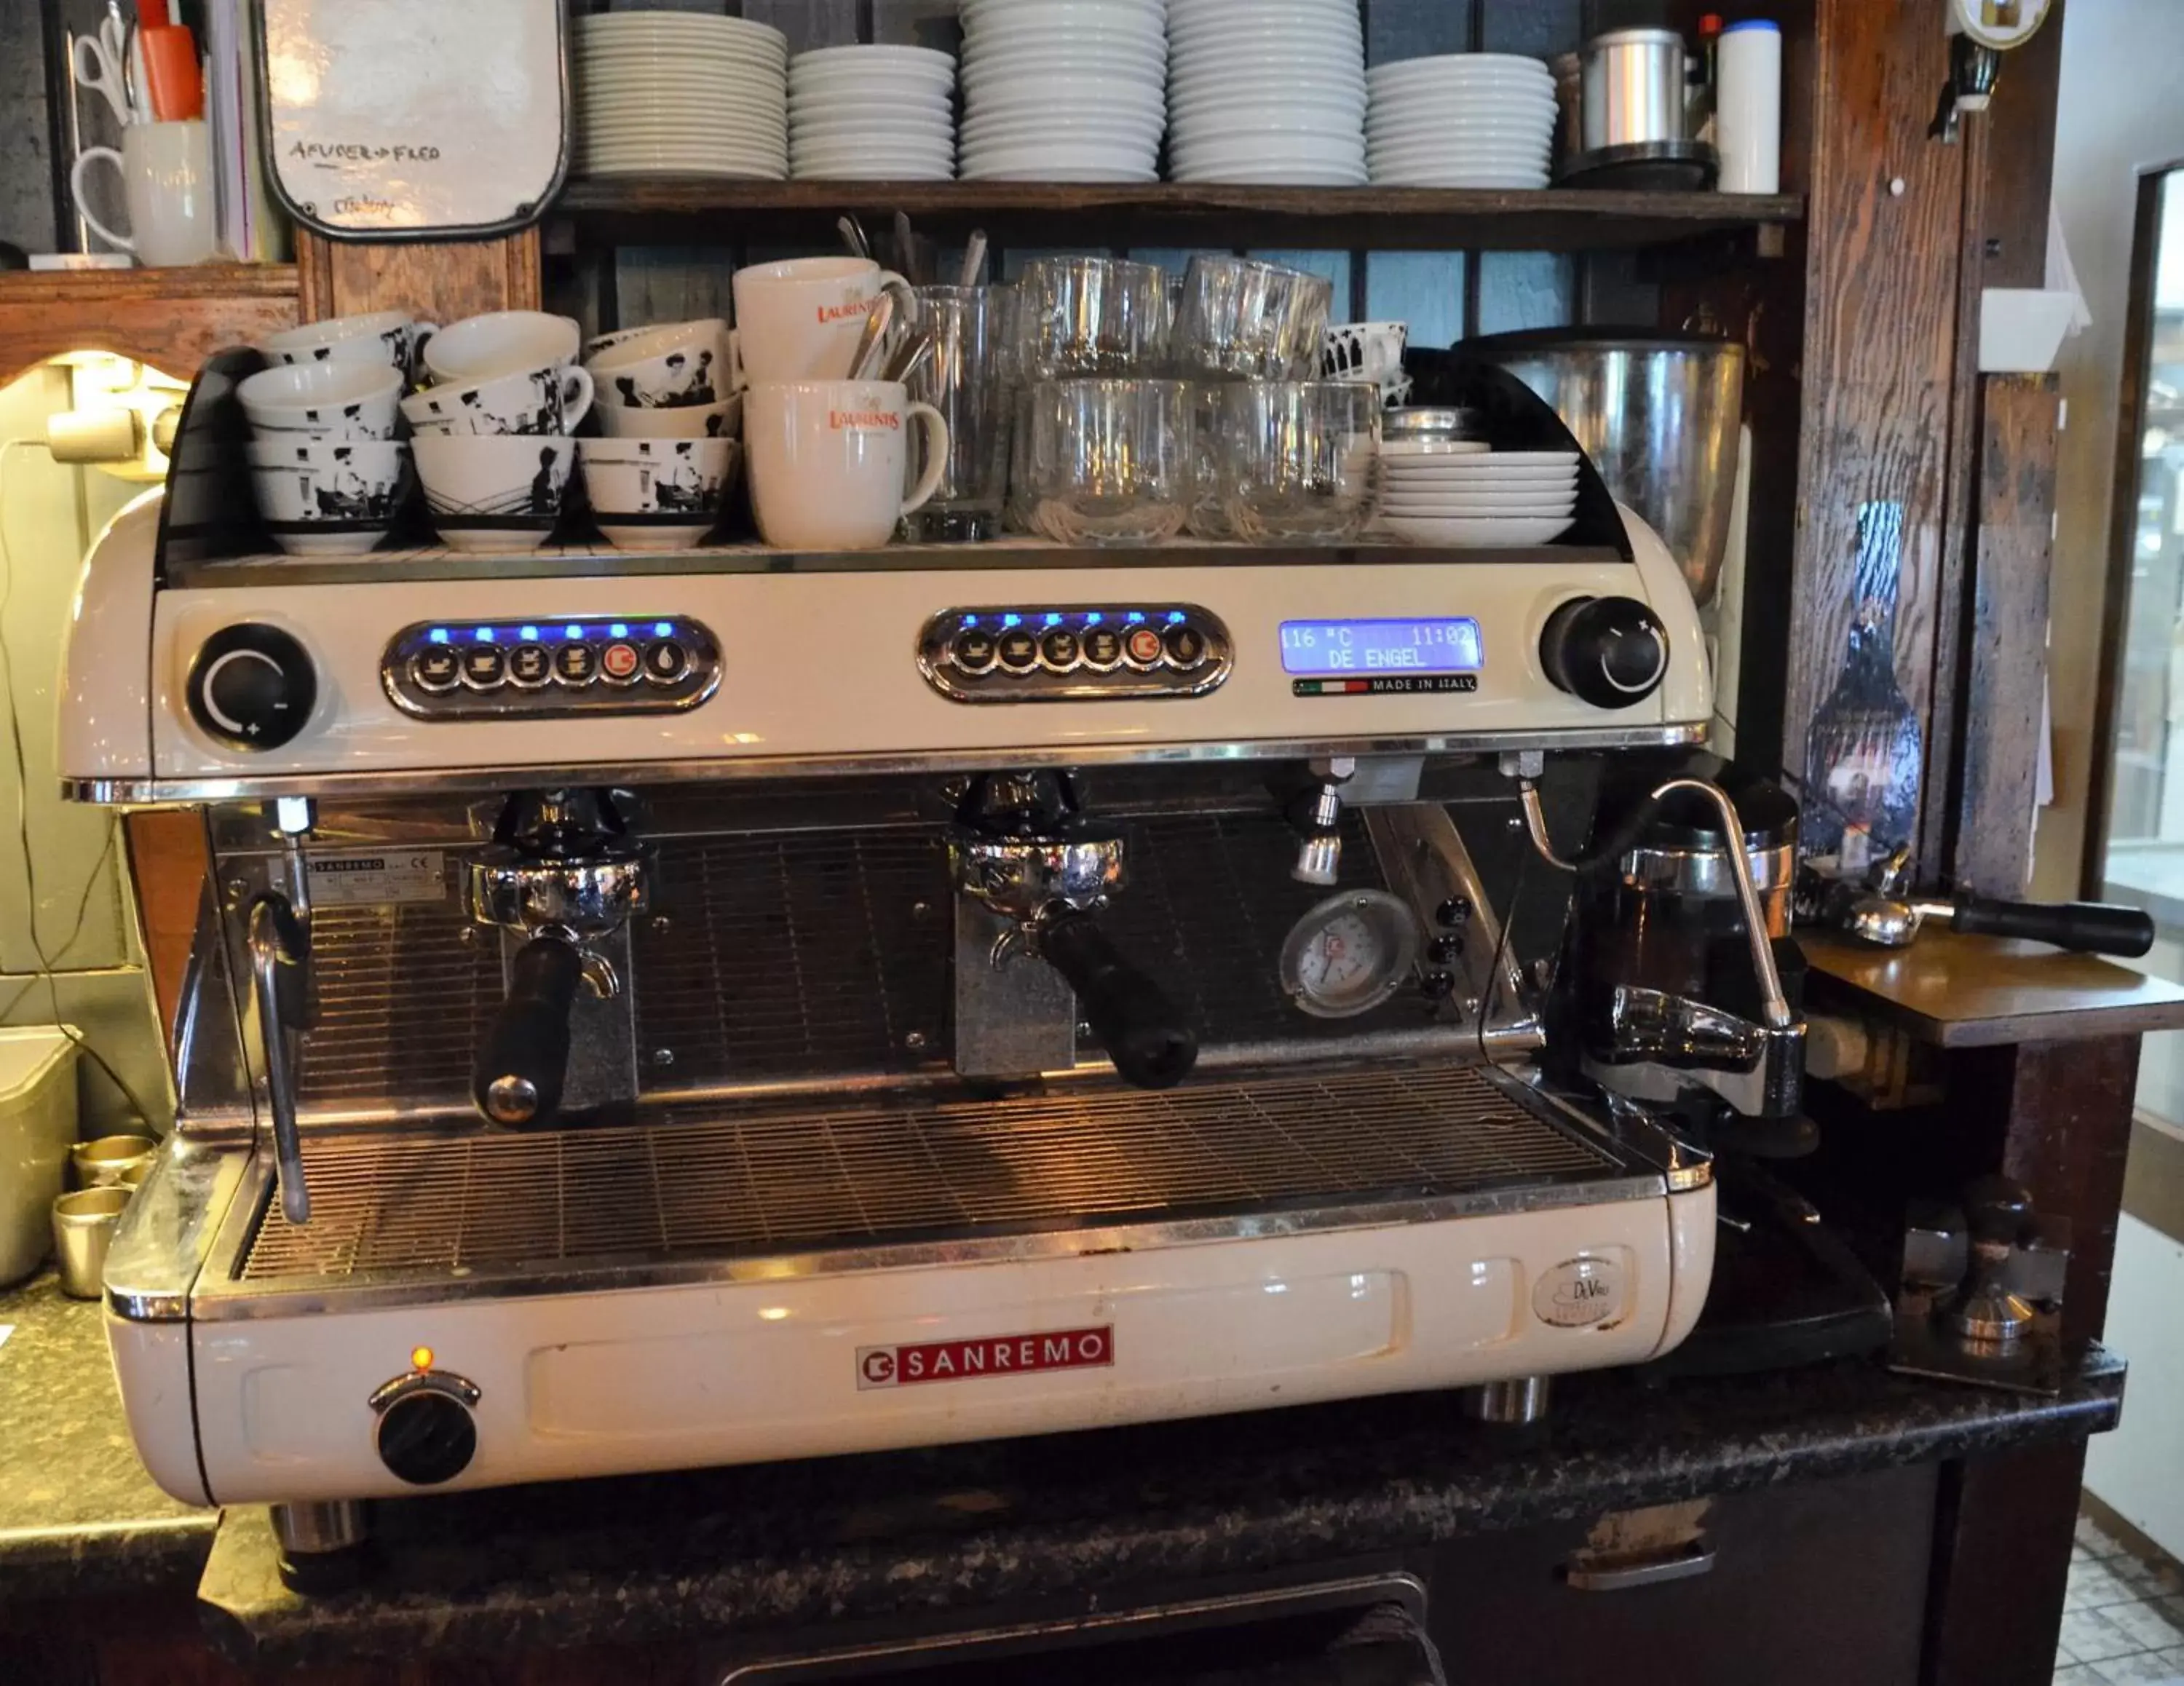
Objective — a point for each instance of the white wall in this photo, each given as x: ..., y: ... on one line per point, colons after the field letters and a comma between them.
x: 2119, y: 111
x: 84, y: 921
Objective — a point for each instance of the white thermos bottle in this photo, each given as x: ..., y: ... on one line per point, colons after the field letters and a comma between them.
x: 1748, y: 108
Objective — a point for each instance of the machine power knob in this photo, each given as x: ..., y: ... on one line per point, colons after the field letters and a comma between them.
x: 427, y: 1436
x: 1611, y: 651
x: 252, y: 687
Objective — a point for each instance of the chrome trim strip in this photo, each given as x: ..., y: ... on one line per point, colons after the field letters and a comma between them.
x: 171, y: 1226
x: 482, y: 780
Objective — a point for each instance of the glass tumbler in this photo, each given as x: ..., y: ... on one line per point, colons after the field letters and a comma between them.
x: 1090, y: 316
x: 1112, y: 461
x: 1261, y: 321
x: 1297, y: 459
x: 968, y: 380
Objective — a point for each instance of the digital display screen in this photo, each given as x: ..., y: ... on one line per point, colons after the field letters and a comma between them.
x: 1367, y: 647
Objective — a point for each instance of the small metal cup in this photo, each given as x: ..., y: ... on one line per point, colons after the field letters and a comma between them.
x: 133, y: 1174
x: 100, y: 1164
x: 83, y: 1230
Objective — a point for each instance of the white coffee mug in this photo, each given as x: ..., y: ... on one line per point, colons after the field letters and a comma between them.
x: 390, y: 336
x: 801, y: 320
x: 332, y: 401
x: 500, y: 342
x: 168, y: 186
x: 553, y: 401
x: 828, y: 459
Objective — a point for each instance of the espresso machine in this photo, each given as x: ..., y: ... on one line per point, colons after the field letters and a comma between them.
x: 650, y: 1014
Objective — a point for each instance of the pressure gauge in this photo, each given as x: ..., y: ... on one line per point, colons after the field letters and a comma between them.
x: 1350, y: 954
x: 1999, y: 25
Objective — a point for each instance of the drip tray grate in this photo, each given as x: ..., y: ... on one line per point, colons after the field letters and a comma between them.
x: 698, y: 1183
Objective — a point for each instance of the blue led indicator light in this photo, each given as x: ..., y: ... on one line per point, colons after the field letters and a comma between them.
x: 439, y: 635
x: 662, y: 629
x: 1093, y: 619
x: 1012, y: 621
x: 529, y: 635
x: 1175, y: 617
x: 1053, y: 619
x: 1134, y: 616
x: 620, y: 629
x: 483, y: 635
x: 969, y: 620
x: 573, y: 630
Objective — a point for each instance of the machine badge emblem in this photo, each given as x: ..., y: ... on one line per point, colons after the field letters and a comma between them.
x: 1580, y: 1294
x: 902, y: 1367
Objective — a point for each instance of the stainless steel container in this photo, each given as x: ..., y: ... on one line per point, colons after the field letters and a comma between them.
x: 83, y: 1229
x: 101, y: 1163
x: 1658, y: 415
x: 1634, y: 88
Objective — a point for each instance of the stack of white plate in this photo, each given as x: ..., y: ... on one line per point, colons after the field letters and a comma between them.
x: 680, y: 93
x: 1464, y: 120
x: 1459, y: 492
x: 1063, y: 90
x: 874, y: 114
x: 1267, y: 91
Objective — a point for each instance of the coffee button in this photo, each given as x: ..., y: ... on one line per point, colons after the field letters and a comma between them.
x: 1019, y: 652
x: 666, y: 661
x: 530, y: 666
x: 1186, y: 647
x: 1103, y: 648
x: 620, y: 663
x: 971, y: 650
x: 1145, y: 645
x: 484, y: 667
x: 1058, y: 649
x: 576, y: 663
x: 436, y: 669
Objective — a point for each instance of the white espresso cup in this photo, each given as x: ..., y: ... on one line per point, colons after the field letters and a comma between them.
x: 827, y: 460
x: 500, y: 342
x: 553, y: 401
x: 168, y: 186
x: 392, y: 338
x: 801, y: 320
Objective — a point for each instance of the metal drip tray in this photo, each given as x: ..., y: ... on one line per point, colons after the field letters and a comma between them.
x: 903, y: 1184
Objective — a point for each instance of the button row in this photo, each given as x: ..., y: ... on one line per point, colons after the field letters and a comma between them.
x: 533, y: 667
x: 1101, y: 649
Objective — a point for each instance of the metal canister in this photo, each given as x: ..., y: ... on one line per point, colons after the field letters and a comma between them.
x: 1634, y: 88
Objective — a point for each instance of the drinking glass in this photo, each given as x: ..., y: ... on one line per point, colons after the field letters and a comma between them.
x: 1209, y: 514
x: 1297, y: 459
x: 1112, y: 460
x: 968, y: 380
x: 1261, y: 321
x: 1090, y: 316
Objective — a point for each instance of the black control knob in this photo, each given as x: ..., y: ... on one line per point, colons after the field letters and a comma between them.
x: 252, y: 687
x: 427, y: 1438
x: 1611, y: 651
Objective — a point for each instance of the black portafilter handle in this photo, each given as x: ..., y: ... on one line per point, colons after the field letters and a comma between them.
x: 524, y: 1061
x: 1151, y: 1046
x: 2084, y: 928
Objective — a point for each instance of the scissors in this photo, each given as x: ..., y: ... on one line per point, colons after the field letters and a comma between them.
x: 102, y: 65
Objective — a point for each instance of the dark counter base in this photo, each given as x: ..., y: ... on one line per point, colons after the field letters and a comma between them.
x: 78, y: 1515
x: 917, y: 1535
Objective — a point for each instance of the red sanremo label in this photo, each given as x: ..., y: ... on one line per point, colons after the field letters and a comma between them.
x: 900, y: 1367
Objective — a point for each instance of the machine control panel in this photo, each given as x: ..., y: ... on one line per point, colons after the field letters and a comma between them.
x: 559, y: 665
x: 252, y: 687
x: 1079, y: 654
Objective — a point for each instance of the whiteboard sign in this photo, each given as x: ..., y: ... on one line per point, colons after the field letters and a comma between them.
x: 415, y: 118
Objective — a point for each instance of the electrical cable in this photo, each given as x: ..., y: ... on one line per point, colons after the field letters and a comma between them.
x: 46, y: 969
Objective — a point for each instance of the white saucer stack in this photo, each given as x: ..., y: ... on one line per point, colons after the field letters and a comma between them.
x: 680, y: 93
x: 1462, y: 120
x: 872, y: 114
x: 1267, y: 91
x: 1063, y: 90
x: 1459, y: 492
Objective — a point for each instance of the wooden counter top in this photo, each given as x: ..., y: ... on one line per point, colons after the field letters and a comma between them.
x: 1955, y: 991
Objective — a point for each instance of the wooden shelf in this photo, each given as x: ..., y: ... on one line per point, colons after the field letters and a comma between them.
x: 171, y: 318
x: 681, y: 209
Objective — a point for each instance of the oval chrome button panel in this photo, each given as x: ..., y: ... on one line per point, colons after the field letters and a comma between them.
x: 1084, y: 653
